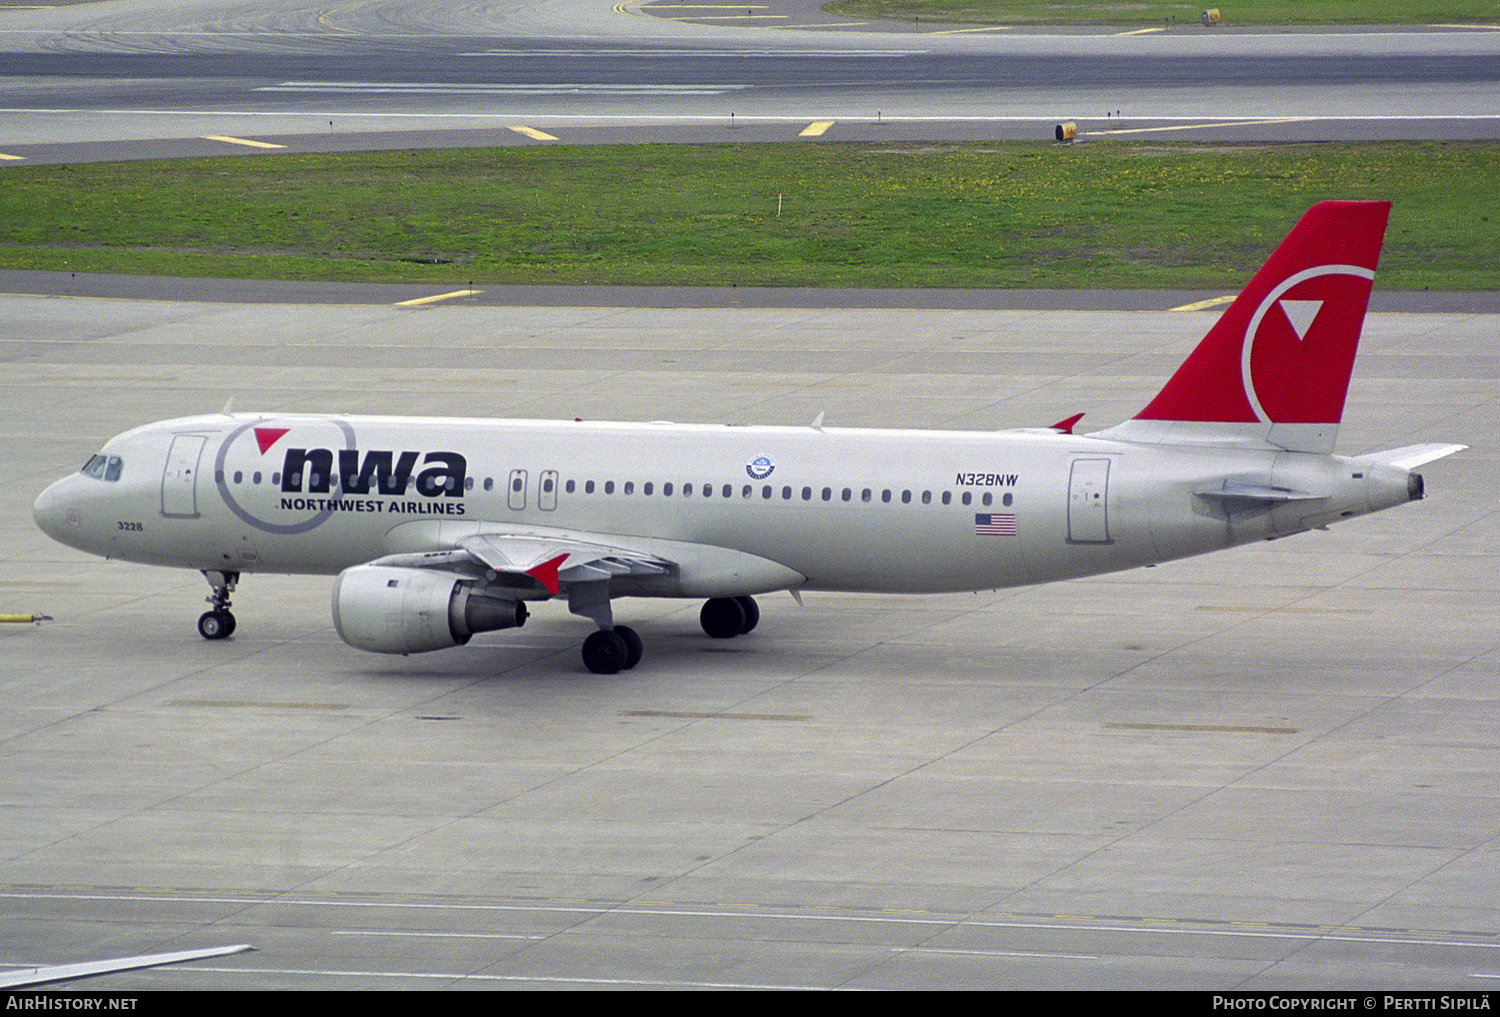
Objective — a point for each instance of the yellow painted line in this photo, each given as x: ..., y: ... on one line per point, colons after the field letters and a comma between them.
x: 419, y: 301
x: 709, y: 7
x: 239, y: 141
x: 1203, y: 304
x: 1196, y: 127
x: 731, y: 17
x: 532, y: 132
x: 1141, y: 31
x: 11, y: 158
x: 816, y: 129
x: 966, y: 31
x: 323, y: 19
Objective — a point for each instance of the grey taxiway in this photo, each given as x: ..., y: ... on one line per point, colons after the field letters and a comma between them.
x: 1268, y: 768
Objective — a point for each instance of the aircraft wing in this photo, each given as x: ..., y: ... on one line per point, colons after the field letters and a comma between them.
x: 552, y: 561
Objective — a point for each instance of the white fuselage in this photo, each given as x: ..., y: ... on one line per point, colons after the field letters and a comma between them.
x: 740, y: 509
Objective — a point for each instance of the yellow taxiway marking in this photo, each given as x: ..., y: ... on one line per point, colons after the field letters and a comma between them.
x: 239, y: 141
x: 1201, y: 305
x: 532, y: 132
x: 323, y: 19
x: 815, y: 129
x: 969, y: 31
x: 1141, y: 31
x: 11, y: 158
x: 1195, y: 127
x: 419, y: 301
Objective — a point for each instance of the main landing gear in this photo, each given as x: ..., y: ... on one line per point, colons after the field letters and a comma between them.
x: 616, y: 649
x: 218, y: 623
x: 610, y: 651
x: 727, y: 617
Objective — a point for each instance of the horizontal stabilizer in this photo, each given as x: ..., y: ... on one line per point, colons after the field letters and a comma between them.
x: 1244, y: 490
x: 1409, y: 457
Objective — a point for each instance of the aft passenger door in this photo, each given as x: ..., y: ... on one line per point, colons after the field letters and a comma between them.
x: 1088, y: 502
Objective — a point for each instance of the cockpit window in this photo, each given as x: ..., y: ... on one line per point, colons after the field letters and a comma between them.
x: 103, y: 467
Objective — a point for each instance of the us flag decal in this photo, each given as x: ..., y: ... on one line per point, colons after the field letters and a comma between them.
x: 995, y: 524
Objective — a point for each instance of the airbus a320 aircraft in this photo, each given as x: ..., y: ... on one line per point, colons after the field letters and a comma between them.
x: 438, y: 529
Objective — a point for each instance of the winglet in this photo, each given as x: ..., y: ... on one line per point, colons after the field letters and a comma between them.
x: 1066, y: 426
x: 546, y: 572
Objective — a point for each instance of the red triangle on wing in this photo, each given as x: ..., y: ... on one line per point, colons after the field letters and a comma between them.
x: 265, y: 437
x: 546, y: 573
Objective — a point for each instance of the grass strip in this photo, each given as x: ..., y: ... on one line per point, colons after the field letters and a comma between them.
x: 1106, y: 214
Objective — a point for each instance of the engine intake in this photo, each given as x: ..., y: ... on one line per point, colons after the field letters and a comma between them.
x: 390, y: 609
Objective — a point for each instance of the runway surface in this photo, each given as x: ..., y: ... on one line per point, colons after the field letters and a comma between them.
x: 172, y: 78
x: 1270, y: 768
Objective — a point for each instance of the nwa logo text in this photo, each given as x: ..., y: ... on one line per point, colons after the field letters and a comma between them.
x: 310, y: 470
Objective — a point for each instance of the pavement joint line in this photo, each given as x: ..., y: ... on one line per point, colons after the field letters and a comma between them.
x: 1105, y: 923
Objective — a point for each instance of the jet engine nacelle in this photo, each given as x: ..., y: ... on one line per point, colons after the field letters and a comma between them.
x: 391, y: 609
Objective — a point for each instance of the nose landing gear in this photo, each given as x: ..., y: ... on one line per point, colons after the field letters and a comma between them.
x: 218, y: 623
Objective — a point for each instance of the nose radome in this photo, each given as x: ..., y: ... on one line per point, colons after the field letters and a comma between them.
x: 44, y: 509
x: 50, y: 511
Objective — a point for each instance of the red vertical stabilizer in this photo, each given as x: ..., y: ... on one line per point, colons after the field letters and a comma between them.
x: 1277, y: 362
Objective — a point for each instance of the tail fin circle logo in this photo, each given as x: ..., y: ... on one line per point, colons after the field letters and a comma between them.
x: 1278, y: 347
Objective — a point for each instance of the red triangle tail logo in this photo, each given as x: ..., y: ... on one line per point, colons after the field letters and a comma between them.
x: 265, y: 437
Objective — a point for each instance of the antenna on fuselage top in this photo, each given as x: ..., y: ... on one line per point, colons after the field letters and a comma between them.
x: 228, y: 409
